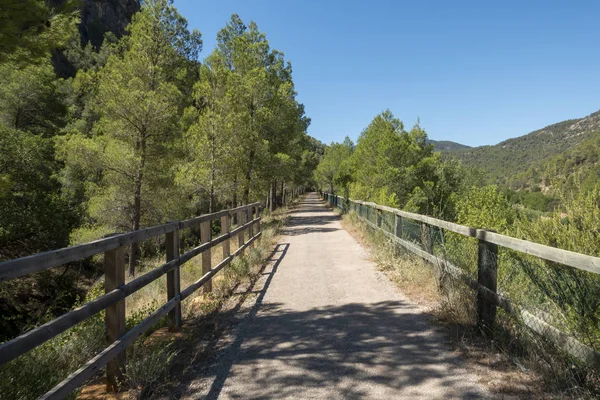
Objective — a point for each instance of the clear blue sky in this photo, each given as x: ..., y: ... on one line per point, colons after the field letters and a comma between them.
x: 472, y: 71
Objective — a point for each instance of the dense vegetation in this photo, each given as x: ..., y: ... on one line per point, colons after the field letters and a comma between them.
x: 143, y: 133
x: 395, y: 167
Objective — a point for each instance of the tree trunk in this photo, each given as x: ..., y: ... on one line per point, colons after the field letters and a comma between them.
x: 137, y: 205
x: 211, y: 201
x: 235, y: 188
x: 249, y: 177
x: 272, y: 194
x: 281, y: 197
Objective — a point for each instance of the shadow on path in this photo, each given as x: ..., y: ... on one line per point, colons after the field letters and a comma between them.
x: 315, y: 222
x: 373, y: 347
x: 289, y: 352
x: 228, y: 360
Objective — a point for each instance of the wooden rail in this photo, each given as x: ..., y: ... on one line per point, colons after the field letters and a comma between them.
x: 116, y: 290
x: 566, y: 257
x: 486, y: 284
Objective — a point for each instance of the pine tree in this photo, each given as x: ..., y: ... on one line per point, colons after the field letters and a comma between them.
x: 139, y: 104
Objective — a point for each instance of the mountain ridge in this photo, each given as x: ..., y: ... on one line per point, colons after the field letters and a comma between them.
x: 513, y: 161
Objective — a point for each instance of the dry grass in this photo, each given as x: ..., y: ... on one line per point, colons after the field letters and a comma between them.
x: 415, y: 277
x: 452, y: 305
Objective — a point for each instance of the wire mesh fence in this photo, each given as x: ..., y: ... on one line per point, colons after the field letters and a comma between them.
x: 547, y: 310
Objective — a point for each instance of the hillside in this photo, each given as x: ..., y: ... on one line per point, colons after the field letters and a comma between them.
x: 447, y: 145
x: 524, y: 161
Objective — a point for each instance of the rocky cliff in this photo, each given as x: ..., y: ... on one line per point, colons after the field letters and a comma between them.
x: 100, y: 16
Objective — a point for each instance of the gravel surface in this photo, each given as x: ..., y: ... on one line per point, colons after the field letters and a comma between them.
x: 325, y: 324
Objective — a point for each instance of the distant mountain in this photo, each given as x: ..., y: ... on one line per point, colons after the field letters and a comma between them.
x: 526, y: 160
x: 447, y: 145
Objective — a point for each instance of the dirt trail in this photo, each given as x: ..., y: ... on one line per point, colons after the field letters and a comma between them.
x: 327, y: 325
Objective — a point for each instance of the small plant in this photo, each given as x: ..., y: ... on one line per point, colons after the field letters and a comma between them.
x: 148, y: 364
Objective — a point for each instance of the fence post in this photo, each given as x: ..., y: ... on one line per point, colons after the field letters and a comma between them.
x: 378, y: 218
x: 398, y: 225
x: 206, y: 236
x: 241, y: 233
x: 173, y: 279
x: 114, y: 277
x: 225, y: 229
x: 487, y: 275
x: 257, y: 213
x: 249, y: 219
x: 426, y: 238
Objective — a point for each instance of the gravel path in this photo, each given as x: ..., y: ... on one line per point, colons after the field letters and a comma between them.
x: 327, y: 325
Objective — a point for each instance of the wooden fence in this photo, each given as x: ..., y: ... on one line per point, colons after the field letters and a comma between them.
x: 488, y: 297
x: 116, y: 290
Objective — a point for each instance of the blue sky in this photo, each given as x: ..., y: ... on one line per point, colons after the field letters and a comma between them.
x: 475, y: 72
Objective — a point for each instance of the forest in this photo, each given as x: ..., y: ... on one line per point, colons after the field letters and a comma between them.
x: 142, y: 133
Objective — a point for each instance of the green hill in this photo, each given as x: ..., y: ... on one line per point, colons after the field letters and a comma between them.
x: 558, y: 151
x: 447, y: 145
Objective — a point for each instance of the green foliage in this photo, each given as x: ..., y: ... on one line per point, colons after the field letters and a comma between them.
x: 334, y: 170
x: 30, y: 29
x: 31, y: 98
x: 34, y: 373
x: 128, y: 158
x: 570, y: 295
x: 33, y: 215
x: 393, y: 167
x: 447, y: 145
x: 148, y: 365
x: 246, y: 131
x: 485, y: 208
x: 532, y: 200
x: 480, y: 207
x: 141, y: 135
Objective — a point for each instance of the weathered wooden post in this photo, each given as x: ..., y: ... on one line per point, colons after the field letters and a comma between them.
x: 257, y: 215
x: 173, y: 279
x: 225, y: 229
x: 397, y: 225
x: 241, y: 233
x: 206, y: 236
x: 378, y: 218
x: 487, y: 275
x: 114, y: 277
